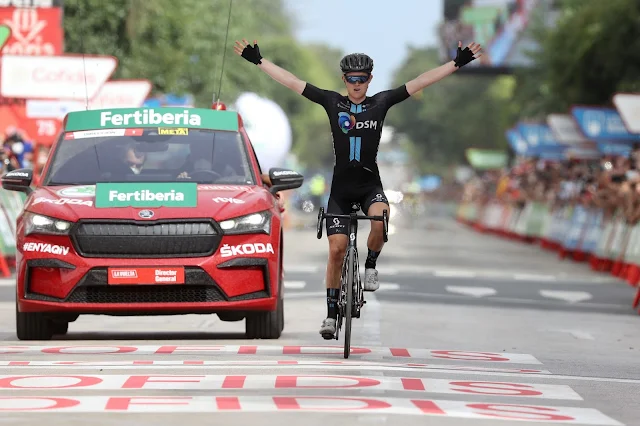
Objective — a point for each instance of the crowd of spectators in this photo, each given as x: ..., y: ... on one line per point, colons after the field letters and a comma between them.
x: 16, y: 152
x: 608, y: 183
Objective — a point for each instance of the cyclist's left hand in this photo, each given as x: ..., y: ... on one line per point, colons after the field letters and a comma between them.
x: 470, y: 53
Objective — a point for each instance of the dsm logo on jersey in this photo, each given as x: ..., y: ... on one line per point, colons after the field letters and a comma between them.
x: 348, y: 122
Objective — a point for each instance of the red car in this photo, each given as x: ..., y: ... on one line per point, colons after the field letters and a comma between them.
x: 150, y: 211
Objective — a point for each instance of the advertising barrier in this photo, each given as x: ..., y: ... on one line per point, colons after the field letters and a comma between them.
x: 607, y: 245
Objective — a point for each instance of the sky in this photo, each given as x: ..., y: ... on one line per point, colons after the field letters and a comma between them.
x: 380, y: 28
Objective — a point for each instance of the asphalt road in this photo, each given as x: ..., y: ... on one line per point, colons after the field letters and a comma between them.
x: 465, y: 330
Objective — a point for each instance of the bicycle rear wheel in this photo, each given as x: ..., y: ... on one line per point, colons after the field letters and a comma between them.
x: 348, y: 309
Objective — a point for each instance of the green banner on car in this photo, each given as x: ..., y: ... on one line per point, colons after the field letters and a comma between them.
x: 155, y: 194
x: 122, y: 118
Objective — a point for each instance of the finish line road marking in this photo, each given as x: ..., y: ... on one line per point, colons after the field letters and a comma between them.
x: 76, y: 382
x: 356, y: 352
x: 285, y: 363
x: 295, y: 284
x: 304, y: 365
x: 283, y: 404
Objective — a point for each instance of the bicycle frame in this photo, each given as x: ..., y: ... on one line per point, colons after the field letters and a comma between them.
x: 351, y: 298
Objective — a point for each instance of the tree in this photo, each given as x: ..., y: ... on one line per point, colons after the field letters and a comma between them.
x: 180, y: 47
x: 453, y: 114
x: 588, y: 50
x: 592, y: 51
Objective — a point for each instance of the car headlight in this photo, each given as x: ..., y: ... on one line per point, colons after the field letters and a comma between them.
x: 253, y: 223
x: 39, y: 224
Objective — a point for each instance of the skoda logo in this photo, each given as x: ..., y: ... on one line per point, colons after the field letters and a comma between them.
x: 145, y: 214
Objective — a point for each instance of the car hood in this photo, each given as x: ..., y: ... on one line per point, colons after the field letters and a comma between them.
x: 219, y: 202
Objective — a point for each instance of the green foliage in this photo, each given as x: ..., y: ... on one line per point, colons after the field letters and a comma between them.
x: 591, y: 51
x: 179, y: 47
x: 451, y: 115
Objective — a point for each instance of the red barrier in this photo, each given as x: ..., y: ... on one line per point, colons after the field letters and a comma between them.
x: 4, y: 266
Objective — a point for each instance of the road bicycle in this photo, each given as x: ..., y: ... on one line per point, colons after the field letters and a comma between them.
x: 351, y: 298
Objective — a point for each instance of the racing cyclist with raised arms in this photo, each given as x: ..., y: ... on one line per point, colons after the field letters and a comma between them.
x: 356, y: 124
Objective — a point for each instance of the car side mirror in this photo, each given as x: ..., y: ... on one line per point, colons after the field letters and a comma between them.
x: 283, y: 179
x: 18, y: 180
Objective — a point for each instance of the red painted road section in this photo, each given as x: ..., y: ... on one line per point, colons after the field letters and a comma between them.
x: 400, y: 391
x: 164, y: 364
x: 363, y: 405
x: 356, y: 352
x: 271, y: 382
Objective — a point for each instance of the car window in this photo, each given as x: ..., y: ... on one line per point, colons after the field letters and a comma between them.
x: 203, y: 156
x: 254, y: 154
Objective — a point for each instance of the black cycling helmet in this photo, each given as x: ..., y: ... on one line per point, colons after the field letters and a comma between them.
x: 356, y: 62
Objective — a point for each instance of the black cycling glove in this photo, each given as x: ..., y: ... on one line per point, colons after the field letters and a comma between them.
x: 252, y: 54
x: 463, y: 57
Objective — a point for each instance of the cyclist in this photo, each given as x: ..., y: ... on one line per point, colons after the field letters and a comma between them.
x: 356, y: 124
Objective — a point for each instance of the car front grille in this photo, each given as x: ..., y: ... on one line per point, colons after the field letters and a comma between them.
x: 135, y: 239
x: 146, y: 294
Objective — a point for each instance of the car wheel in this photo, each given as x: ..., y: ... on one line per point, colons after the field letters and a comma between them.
x: 282, y: 315
x: 60, y: 327
x: 33, y: 326
x: 266, y: 325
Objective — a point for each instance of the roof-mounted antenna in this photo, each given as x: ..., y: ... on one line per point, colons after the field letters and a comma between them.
x: 84, y: 65
x: 224, y: 53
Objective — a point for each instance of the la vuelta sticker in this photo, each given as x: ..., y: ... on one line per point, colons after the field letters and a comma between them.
x: 173, y: 275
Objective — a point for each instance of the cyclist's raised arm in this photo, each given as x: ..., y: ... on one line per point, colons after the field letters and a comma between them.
x: 434, y: 75
x: 282, y: 76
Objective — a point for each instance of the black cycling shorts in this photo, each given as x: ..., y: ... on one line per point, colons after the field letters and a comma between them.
x: 340, y: 202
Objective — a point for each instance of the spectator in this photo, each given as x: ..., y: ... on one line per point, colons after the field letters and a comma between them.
x: 610, y: 184
x: 21, y: 149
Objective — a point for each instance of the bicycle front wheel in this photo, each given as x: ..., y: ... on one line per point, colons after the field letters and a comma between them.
x: 351, y: 270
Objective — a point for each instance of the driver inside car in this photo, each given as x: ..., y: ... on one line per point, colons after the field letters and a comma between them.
x: 134, y: 160
x: 199, y: 159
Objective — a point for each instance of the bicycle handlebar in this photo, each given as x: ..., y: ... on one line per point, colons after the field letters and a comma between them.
x: 384, y: 219
x: 347, y: 216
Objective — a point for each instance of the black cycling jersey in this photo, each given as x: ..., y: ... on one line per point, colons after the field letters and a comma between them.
x: 356, y: 128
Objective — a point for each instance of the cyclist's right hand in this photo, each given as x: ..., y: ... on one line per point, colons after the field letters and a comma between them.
x: 250, y: 53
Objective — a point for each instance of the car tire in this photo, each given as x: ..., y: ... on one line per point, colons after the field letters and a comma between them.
x: 266, y: 325
x: 282, y: 316
x: 33, y: 326
x: 60, y: 327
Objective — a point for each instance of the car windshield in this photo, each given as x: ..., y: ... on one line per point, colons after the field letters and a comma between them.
x: 150, y: 155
